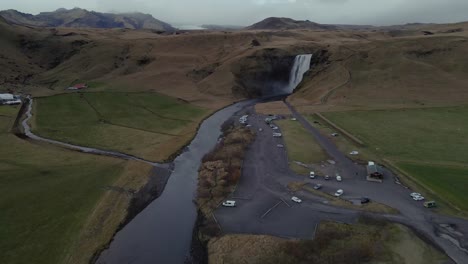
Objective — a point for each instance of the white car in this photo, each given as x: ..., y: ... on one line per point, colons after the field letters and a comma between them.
x: 354, y: 152
x: 312, y: 174
x: 338, y: 178
x: 296, y: 200
x: 334, y: 134
x: 415, y: 194
x: 418, y: 198
x: 277, y: 135
x: 293, y: 119
x: 339, y: 193
x: 229, y: 203
x: 280, y: 146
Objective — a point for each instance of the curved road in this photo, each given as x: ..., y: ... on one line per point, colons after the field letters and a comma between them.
x: 264, y: 205
x: 29, y: 134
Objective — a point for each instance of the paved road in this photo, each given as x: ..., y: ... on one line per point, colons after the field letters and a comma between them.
x: 263, y: 186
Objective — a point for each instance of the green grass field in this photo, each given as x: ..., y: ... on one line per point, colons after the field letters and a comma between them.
x: 436, y: 134
x: 7, y: 117
x: 450, y: 183
x: 147, y: 125
x: 47, y: 196
x: 429, y: 144
x: 301, y: 145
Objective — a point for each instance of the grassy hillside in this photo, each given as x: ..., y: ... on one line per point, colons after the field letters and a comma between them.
x: 147, y: 125
x: 381, y: 72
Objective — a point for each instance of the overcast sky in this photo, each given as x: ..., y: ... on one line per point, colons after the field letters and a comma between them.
x: 245, y: 12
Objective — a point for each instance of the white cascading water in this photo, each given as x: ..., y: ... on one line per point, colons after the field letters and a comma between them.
x: 301, y: 66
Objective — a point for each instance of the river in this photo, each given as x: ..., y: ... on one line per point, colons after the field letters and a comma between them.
x: 162, y: 232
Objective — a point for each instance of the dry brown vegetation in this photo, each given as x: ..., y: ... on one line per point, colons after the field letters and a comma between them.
x: 218, y: 175
x: 391, y: 67
x: 221, y: 168
x: 368, y: 240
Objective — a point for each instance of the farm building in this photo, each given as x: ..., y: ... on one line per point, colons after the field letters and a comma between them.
x: 78, y: 86
x: 374, y: 172
x: 9, y: 99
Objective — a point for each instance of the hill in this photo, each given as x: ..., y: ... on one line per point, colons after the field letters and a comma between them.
x: 283, y: 23
x: 81, y: 18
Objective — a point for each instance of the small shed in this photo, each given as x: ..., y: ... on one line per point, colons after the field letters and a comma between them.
x: 78, y: 86
x: 374, y: 172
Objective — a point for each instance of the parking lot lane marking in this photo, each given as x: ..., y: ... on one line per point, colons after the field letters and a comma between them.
x: 285, y: 202
x: 271, y: 209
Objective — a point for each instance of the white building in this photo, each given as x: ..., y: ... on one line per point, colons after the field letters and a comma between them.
x: 9, y: 99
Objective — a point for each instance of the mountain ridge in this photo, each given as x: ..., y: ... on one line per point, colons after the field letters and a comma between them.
x: 82, y: 18
x: 284, y: 23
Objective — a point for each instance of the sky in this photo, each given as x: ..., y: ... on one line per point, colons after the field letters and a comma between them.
x: 246, y: 12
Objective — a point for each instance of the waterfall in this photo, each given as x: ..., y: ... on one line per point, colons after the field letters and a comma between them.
x: 301, y: 66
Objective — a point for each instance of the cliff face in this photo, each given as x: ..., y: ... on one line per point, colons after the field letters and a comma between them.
x: 262, y: 74
x: 267, y: 71
x: 86, y: 19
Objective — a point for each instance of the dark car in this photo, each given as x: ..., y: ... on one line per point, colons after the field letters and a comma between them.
x: 365, y: 200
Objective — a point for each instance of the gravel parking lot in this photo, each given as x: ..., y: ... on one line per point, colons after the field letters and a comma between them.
x: 264, y: 203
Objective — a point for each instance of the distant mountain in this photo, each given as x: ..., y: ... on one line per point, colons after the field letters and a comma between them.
x: 279, y: 23
x: 78, y: 17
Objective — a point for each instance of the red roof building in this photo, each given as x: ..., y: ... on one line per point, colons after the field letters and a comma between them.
x: 80, y: 86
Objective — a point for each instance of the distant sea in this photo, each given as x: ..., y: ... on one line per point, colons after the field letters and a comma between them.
x: 190, y: 27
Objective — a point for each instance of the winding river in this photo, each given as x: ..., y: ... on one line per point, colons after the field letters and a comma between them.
x: 162, y: 232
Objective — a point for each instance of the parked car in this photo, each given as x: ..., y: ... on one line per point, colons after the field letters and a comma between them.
x: 293, y: 119
x: 335, y: 134
x: 229, y: 203
x: 339, y: 192
x: 338, y: 178
x: 312, y: 174
x: 260, y: 129
x: 365, y: 200
x: 277, y: 135
x: 318, y: 187
x: 280, y: 146
x: 418, y: 198
x: 430, y: 204
x: 414, y: 194
x: 327, y: 177
x: 354, y: 152
x: 296, y: 199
